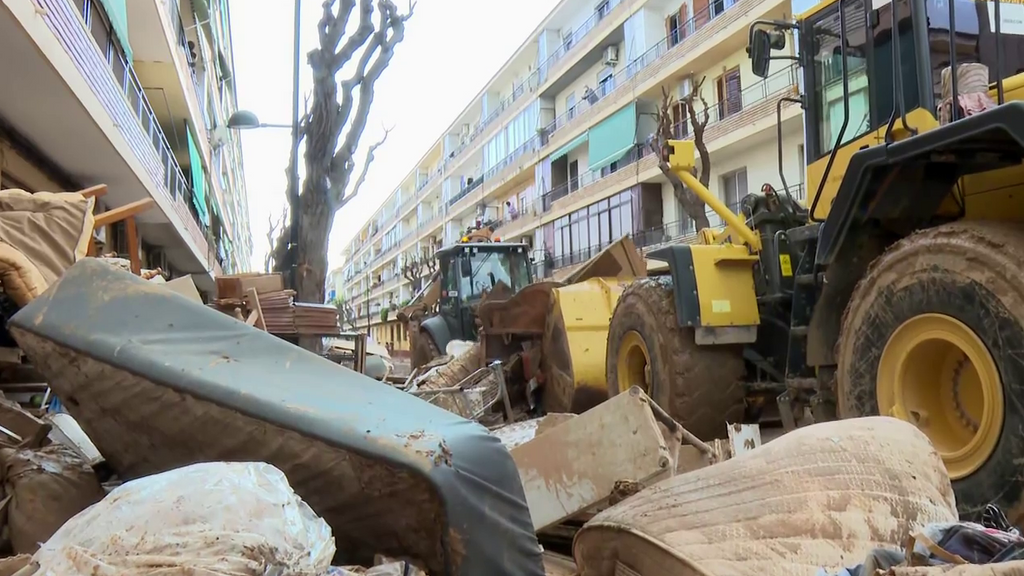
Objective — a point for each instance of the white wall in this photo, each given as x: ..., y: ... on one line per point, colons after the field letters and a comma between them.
x: 643, y: 30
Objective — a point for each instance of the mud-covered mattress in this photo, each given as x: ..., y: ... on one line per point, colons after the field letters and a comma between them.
x: 159, y: 382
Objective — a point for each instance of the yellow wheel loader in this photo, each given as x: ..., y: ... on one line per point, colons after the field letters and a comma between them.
x: 899, y: 290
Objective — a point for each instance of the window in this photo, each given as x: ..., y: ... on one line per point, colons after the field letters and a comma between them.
x: 574, y: 175
x: 672, y: 29
x: 586, y: 231
x: 680, y: 120
x: 603, y: 8
x: 99, y: 28
x: 566, y: 41
x: 830, y: 104
x: 605, y: 81
x: 730, y: 93
x: 734, y: 187
x: 570, y: 106
x: 717, y: 7
x: 488, y: 267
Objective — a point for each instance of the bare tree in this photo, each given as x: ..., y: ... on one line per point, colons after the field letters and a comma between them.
x: 272, y: 228
x: 413, y: 272
x: 334, y: 124
x: 429, y: 261
x: 692, y: 204
x: 346, y: 313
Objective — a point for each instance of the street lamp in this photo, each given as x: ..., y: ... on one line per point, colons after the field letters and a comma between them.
x: 246, y: 120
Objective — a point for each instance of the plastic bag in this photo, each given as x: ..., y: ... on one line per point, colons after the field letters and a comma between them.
x: 208, y: 519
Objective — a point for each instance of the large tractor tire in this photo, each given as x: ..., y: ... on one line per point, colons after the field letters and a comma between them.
x: 934, y: 335
x: 424, y: 349
x: 699, y: 386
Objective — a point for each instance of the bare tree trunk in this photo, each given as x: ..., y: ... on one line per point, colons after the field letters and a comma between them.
x: 332, y: 128
x: 691, y: 203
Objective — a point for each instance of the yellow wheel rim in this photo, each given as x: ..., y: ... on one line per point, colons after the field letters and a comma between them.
x: 633, y: 362
x: 938, y: 375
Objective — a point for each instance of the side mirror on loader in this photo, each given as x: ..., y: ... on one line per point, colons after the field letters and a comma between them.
x: 759, y: 51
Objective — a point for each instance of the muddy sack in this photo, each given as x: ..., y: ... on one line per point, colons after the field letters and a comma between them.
x: 46, y: 487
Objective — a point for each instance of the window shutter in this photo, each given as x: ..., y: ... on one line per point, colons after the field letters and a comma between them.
x: 733, y: 91
x: 701, y: 14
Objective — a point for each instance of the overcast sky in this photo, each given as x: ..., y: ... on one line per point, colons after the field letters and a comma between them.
x: 451, y: 48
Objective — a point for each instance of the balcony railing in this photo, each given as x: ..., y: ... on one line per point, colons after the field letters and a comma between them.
x: 674, y: 39
x: 763, y: 90
x: 531, y: 145
x: 169, y: 174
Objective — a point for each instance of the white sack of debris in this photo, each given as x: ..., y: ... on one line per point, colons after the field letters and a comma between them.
x: 217, y: 518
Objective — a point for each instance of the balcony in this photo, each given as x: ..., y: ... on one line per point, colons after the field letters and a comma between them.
x: 95, y: 121
x: 691, y: 38
x: 755, y: 102
x: 495, y: 176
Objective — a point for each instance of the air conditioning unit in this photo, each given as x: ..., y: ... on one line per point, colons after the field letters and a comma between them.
x: 611, y: 55
x: 685, y: 88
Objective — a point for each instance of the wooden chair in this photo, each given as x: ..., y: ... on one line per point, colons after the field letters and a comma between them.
x: 126, y: 213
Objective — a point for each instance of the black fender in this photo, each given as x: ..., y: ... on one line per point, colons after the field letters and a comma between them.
x: 684, y: 281
x: 437, y: 329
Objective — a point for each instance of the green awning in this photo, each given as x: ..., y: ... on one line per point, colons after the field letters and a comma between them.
x: 613, y: 137
x: 198, y: 178
x: 572, y: 145
x: 117, y: 11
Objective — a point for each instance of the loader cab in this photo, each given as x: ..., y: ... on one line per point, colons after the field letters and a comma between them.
x: 470, y: 270
x: 859, y: 92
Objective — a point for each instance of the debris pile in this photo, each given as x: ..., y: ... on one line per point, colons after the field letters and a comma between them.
x: 260, y: 300
x: 308, y: 469
x: 992, y: 548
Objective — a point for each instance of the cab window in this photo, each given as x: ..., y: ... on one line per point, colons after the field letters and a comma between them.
x: 828, y: 58
x: 488, y: 267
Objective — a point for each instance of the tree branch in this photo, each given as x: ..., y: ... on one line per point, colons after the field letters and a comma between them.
x: 344, y: 198
x: 375, y: 58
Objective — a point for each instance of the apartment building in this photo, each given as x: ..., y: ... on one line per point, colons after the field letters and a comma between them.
x: 134, y: 94
x: 555, y: 147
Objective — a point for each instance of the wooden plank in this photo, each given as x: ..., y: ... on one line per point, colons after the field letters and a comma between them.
x: 254, y: 305
x: 133, y: 245
x: 30, y: 429
x: 122, y: 212
x: 94, y: 191
x: 235, y: 286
